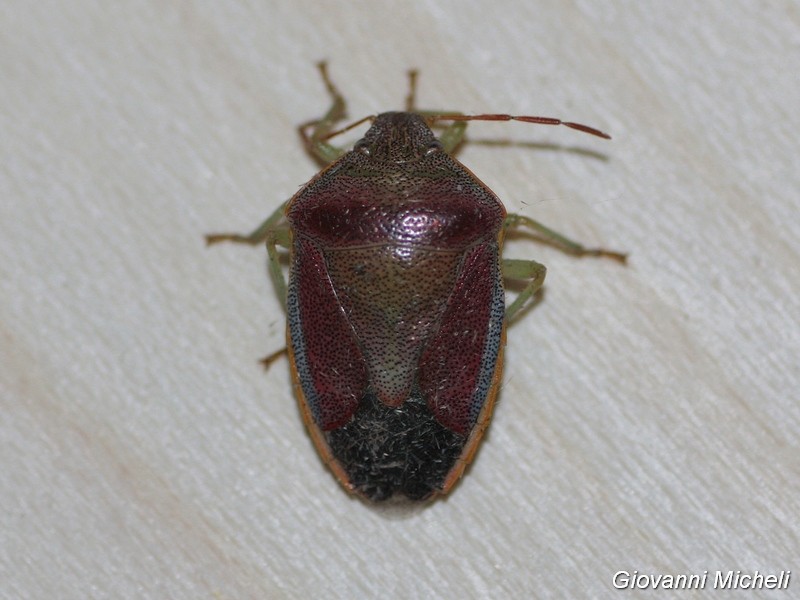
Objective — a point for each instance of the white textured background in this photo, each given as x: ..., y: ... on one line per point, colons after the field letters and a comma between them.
x: 649, y: 418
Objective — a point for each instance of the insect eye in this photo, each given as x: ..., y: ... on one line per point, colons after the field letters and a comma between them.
x: 434, y: 146
x: 362, y: 147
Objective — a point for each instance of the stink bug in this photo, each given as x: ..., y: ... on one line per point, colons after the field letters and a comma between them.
x: 395, y: 302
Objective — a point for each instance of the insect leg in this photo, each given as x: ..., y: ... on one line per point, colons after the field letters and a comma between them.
x: 278, y: 236
x: 320, y: 129
x: 274, y: 231
x: 258, y: 236
x: 547, y: 235
x: 529, y: 270
x: 452, y: 137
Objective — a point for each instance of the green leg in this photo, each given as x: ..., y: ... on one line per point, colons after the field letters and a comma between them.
x: 561, y: 242
x: 278, y: 237
x: 452, y: 137
x: 529, y: 270
x: 316, y: 142
x: 274, y: 231
x: 258, y: 236
x: 453, y: 134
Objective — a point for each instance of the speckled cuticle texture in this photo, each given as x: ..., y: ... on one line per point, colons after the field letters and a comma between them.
x: 395, y: 306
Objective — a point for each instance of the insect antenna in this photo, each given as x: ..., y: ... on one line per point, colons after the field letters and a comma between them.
x: 525, y: 119
x: 349, y: 127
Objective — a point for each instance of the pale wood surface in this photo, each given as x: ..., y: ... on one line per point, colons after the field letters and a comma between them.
x: 649, y: 418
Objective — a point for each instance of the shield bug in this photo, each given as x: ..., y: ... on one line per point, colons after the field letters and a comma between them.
x: 395, y: 303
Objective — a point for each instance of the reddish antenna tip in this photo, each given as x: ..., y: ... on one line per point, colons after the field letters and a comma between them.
x: 587, y: 129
